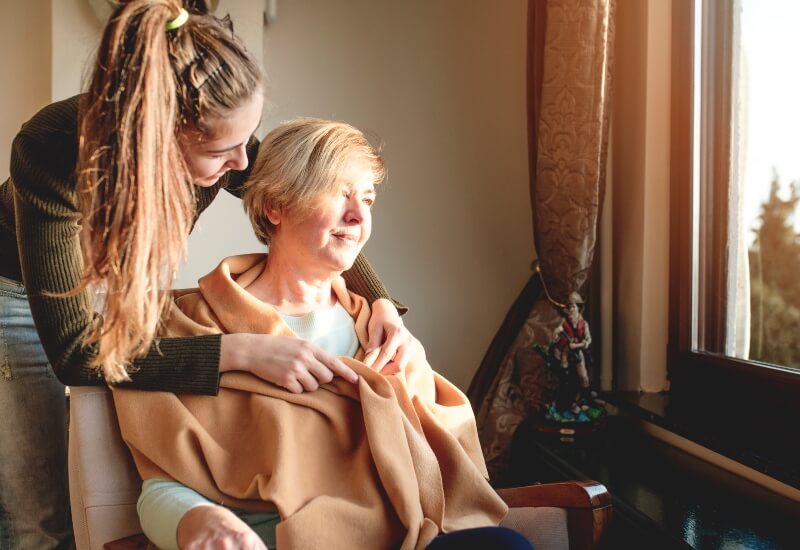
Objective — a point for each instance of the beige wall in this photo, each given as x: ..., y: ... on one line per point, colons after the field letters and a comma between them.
x: 640, y: 181
x: 442, y: 83
x: 25, y: 68
x: 76, y: 33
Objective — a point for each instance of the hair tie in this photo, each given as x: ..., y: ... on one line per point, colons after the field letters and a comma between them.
x: 179, y: 20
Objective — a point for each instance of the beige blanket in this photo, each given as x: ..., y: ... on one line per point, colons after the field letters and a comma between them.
x: 388, y: 462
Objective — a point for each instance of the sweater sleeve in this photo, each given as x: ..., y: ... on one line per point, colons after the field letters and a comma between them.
x: 47, y: 224
x: 361, y: 278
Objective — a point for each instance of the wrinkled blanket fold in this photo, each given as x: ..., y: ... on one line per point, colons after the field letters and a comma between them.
x: 388, y: 462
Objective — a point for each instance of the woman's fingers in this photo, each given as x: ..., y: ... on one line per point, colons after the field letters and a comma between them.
x: 405, y: 353
x: 335, y: 366
x: 387, y: 352
x: 383, y: 318
x: 291, y: 363
x: 313, y: 367
x: 307, y: 381
x: 370, y: 356
x: 398, y: 347
x: 388, y: 335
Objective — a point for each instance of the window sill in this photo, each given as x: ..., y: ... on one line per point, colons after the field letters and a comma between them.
x: 662, y: 496
x: 774, y: 455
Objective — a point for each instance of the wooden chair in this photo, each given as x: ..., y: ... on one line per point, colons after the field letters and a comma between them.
x: 585, y: 505
x: 104, y: 488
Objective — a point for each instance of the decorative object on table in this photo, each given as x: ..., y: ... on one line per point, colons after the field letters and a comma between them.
x: 574, y: 407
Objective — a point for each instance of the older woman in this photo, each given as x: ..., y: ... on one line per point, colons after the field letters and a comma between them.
x: 391, y: 461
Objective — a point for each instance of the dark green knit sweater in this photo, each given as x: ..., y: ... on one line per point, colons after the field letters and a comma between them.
x: 39, y: 245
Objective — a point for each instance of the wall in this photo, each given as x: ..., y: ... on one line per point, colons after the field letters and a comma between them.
x: 443, y: 86
x: 640, y: 182
x: 25, y: 68
x: 76, y: 33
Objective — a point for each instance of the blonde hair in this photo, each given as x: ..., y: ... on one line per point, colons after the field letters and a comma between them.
x: 299, y: 162
x: 135, y: 191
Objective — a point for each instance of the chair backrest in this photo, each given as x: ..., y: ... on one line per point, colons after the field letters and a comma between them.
x: 103, y: 482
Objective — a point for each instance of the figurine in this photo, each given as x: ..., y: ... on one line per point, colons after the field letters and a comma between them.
x: 572, y: 340
x: 568, y: 357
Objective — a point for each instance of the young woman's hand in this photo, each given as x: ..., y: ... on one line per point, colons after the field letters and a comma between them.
x: 216, y: 528
x: 389, y: 340
x: 292, y: 363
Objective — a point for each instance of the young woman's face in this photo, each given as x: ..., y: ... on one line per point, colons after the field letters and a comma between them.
x: 222, y: 148
x: 329, y: 237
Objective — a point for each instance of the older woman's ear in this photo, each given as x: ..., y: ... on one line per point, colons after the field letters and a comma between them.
x: 273, y: 216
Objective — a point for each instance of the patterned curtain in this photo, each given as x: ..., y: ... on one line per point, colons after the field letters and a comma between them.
x: 569, y: 80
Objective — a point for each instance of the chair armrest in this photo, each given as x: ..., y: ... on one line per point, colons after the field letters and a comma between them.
x: 588, y: 506
x: 568, y: 494
x: 134, y: 542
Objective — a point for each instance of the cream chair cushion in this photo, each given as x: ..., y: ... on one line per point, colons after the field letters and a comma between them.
x: 544, y: 527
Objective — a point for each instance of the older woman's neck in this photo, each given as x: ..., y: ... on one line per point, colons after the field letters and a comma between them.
x: 292, y: 289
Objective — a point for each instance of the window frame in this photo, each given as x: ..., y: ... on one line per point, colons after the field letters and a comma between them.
x: 702, y: 384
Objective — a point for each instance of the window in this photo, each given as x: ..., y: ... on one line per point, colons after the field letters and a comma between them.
x: 734, y: 344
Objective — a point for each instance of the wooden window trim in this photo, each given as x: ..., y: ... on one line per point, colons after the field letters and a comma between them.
x: 731, y: 398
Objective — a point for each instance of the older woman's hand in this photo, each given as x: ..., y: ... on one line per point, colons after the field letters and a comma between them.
x: 389, y: 339
x: 292, y: 363
x: 216, y: 527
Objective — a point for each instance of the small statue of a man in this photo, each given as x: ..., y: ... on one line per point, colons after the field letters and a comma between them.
x: 570, y: 344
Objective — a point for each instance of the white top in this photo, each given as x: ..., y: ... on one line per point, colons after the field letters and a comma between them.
x: 331, y: 329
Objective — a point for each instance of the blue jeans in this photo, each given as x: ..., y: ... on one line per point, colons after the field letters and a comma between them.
x: 490, y: 538
x: 34, y: 497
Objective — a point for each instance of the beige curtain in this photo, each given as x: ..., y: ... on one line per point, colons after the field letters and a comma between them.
x: 569, y: 69
x: 737, y: 314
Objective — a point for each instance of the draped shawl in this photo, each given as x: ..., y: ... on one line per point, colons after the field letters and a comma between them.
x: 390, y: 461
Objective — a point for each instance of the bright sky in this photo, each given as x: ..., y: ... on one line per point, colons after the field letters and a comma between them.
x: 770, y: 39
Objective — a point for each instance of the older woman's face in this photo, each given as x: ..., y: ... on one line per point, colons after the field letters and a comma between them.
x: 330, y: 236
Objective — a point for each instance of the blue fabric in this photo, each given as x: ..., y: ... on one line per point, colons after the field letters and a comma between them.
x: 34, y: 498
x: 492, y: 538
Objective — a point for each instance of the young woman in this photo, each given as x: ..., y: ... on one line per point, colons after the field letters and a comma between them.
x: 104, y: 190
